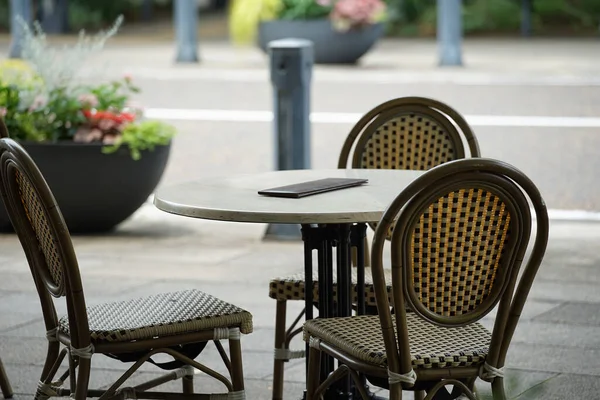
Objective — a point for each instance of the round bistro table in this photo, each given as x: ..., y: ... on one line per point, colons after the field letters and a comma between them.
x: 332, y: 220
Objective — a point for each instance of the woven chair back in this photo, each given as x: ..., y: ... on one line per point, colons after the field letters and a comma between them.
x: 460, y: 237
x: 408, y: 133
x: 42, y: 231
x: 458, y: 240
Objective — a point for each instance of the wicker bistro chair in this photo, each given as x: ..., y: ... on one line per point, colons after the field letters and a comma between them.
x: 461, y: 234
x: 406, y: 133
x: 4, y: 383
x: 178, y: 324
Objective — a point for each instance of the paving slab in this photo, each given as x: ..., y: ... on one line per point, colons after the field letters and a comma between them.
x: 569, y: 386
x: 556, y: 344
x: 573, y: 314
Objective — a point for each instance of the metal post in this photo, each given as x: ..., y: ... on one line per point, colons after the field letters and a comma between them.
x: 147, y: 10
x: 55, y: 16
x: 526, y: 10
x: 18, y: 8
x: 291, y: 69
x: 186, y: 30
x: 449, y: 32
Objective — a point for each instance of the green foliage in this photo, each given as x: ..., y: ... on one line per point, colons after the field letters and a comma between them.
x: 412, y: 10
x: 491, y: 15
x: 94, y: 14
x: 303, y: 9
x: 480, y: 15
x: 113, y: 95
x: 82, y: 17
x: 4, y: 14
x: 143, y: 136
x: 419, y: 16
x: 42, y: 99
x: 561, y: 12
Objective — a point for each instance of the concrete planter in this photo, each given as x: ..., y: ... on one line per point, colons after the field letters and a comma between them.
x: 331, y: 46
x: 95, y: 191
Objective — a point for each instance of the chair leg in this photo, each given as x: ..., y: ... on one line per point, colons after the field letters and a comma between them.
x: 498, y: 389
x: 280, y: 343
x: 188, y: 384
x: 419, y: 394
x: 4, y: 383
x: 314, y: 372
x: 396, y: 392
x: 83, y: 379
x: 237, y: 369
x: 52, y: 356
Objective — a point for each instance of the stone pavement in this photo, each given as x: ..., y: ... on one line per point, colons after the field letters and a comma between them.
x: 555, y: 347
x: 558, y: 340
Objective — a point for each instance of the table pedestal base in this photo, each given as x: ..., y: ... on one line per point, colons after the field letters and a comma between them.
x: 324, y: 239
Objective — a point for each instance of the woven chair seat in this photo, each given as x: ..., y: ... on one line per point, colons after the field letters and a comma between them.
x: 165, y: 314
x: 431, y: 346
x: 292, y: 287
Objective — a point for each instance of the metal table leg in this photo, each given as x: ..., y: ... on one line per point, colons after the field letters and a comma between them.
x: 323, y: 238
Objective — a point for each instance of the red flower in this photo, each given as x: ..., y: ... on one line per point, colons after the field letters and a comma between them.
x: 119, y: 118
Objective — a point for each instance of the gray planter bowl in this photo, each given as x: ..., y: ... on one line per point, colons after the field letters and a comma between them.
x: 331, y: 46
x: 95, y: 191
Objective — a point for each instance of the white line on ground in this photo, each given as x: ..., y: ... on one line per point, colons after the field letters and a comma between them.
x: 350, y: 118
x: 406, y: 77
x: 573, y: 215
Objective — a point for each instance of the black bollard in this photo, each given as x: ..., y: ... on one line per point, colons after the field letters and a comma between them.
x: 291, y: 70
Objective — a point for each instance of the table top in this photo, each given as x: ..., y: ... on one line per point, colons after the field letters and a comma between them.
x: 235, y: 198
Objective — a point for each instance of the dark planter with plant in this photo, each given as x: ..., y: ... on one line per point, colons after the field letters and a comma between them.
x: 331, y: 46
x: 98, y: 155
x: 342, y: 31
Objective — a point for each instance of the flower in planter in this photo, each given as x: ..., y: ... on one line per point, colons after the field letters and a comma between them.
x: 245, y: 15
x: 42, y: 98
x: 348, y: 14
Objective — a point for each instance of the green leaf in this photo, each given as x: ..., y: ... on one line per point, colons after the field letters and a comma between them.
x: 142, y: 136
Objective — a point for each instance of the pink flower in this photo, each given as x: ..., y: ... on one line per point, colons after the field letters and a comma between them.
x: 107, y: 124
x: 324, y: 3
x: 88, y: 100
x: 87, y: 135
x: 127, y: 77
x: 355, y: 13
x: 39, y: 102
x: 3, y: 112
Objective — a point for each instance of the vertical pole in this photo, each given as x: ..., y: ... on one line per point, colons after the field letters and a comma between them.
x: 147, y: 10
x: 449, y: 32
x: 186, y: 30
x: 18, y: 8
x: 291, y: 63
x: 55, y: 16
x: 526, y: 10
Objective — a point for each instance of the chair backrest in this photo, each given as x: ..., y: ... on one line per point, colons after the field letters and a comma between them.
x: 461, y: 233
x: 42, y: 231
x: 408, y: 133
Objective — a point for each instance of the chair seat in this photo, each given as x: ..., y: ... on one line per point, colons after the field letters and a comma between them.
x: 292, y: 287
x: 431, y: 346
x: 165, y: 314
